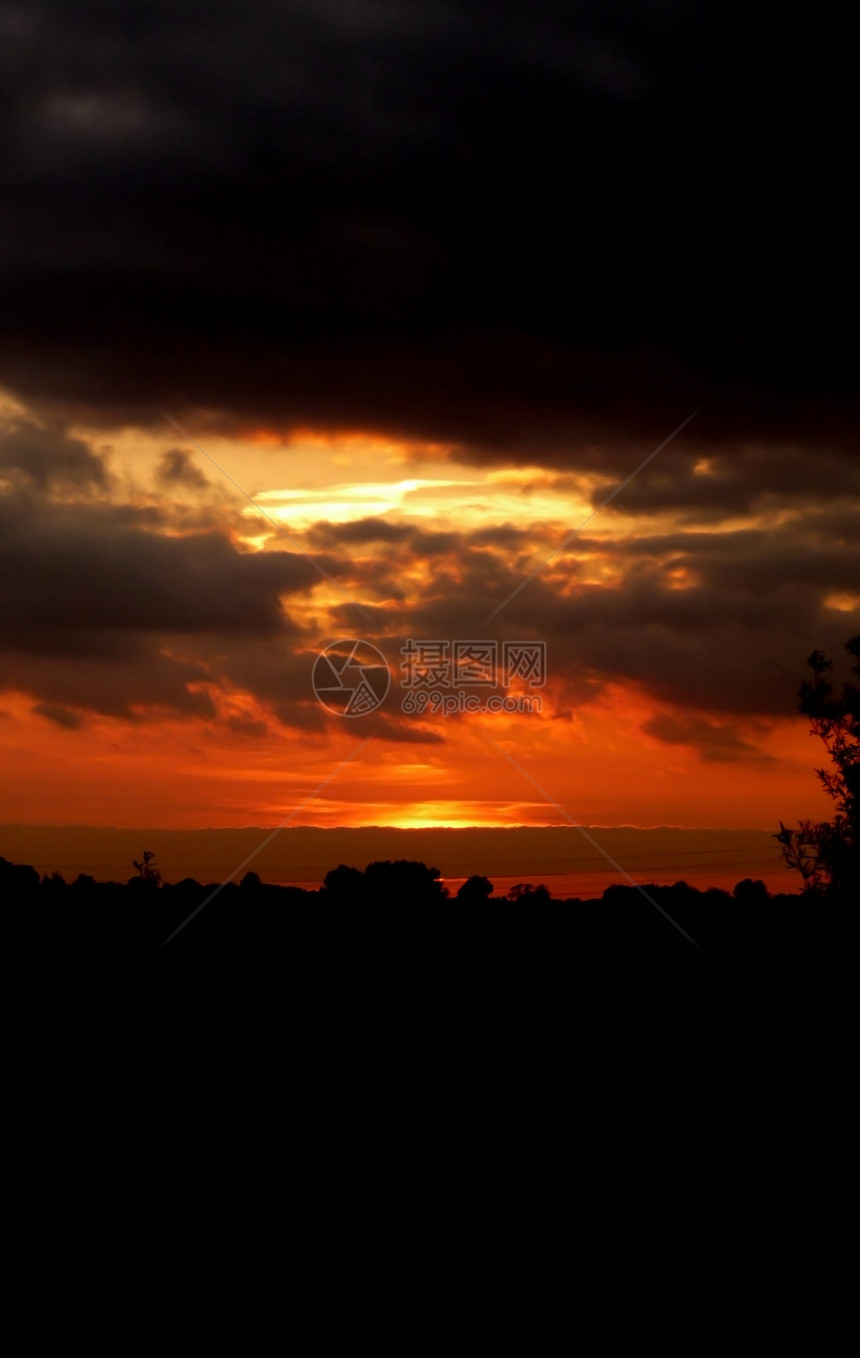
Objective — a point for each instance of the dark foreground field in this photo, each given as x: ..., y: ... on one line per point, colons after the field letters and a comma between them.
x: 394, y: 925
x: 378, y: 1013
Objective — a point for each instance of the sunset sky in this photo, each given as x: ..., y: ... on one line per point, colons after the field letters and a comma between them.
x: 425, y: 282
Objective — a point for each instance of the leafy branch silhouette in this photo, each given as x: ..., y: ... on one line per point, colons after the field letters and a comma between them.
x: 146, y: 870
x: 827, y: 853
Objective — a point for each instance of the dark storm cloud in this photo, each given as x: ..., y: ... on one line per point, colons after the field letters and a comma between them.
x: 60, y: 716
x: 279, y: 674
x: 47, y: 458
x: 740, y: 481
x: 713, y: 741
x: 128, y: 678
x: 538, y: 233
x: 114, y: 613
x: 246, y: 726
x: 507, y: 227
x: 359, y: 531
x: 107, y: 609
x: 104, y: 611
x: 176, y: 467
x: 704, y: 622
x: 413, y: 542
x: 75, y: 574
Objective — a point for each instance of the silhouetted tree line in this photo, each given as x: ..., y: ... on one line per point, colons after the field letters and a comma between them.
x: 396, y: 909
x: 400, y: 883
x: 394, y: 919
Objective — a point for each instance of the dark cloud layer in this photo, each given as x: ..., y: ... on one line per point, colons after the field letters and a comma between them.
x: 742, y: 481
x: 105, y: 611
x: 542, y: 233
x: 60, y: 716
x: 77, y: 573
x: 704, y: 622
x: 716, y: 742
x: 121, y: 620
x: 176, y: 468
x: 500, y: 225
x: 131, y: 612
x: 46, y: 458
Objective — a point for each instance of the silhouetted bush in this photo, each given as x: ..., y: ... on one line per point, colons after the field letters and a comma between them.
x: 827, y: 853
x: 475, y: 891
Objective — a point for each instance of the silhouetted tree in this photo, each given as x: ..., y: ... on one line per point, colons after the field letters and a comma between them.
x: 524, y: 893
x: 147, y: 871
x: 827, y: 853
x: 475, y: 891
x: 18, y: 880
x: 750, y: 892
x: 344, y: 885
x: 404, y: 882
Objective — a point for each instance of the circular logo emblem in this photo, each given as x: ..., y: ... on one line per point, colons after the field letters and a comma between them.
x: 350, y: 678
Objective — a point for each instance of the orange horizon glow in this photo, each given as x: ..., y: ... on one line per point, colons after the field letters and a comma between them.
x: 198, y: 774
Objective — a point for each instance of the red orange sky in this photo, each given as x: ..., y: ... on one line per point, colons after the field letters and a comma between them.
x: 428, y: 285
x: 411, y: 533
